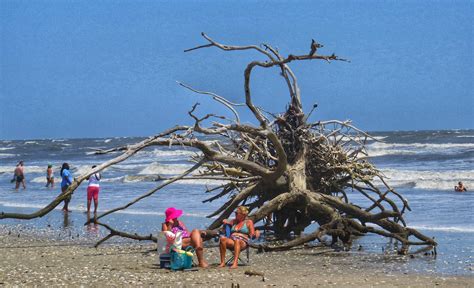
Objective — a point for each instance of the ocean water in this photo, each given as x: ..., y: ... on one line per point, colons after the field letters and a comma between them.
x: 423, y: 166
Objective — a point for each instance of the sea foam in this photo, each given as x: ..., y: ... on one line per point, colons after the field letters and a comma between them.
x: 28, y: 169
x: 6, y: 148
x: 156, y: 168
x: 431, y: 180
x: 169, y: 154
x: 381, y: 149
x: 468, y: 229
x: 7, y: 155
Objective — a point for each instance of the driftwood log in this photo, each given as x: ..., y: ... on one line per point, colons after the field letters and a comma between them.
x: 285, y: 168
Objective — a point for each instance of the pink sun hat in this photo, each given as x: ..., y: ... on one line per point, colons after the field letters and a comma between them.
x: 172, y: 213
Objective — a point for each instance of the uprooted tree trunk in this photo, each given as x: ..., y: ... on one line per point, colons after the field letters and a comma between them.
x: 286, y: 168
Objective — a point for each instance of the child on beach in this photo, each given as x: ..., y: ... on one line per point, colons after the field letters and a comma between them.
x: 49, y: 176
x: 93, y: 191
x: 19, y: 175
x: 188, y: 239
x: 66, y: 181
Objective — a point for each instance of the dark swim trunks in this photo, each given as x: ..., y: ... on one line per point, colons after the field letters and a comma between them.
x: 19, y: 178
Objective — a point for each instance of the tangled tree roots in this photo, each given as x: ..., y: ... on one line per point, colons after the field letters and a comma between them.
x: 286, y: 168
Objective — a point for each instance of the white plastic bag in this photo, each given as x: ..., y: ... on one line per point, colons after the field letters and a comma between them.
x: 163, y: 248
x: 178, y: 240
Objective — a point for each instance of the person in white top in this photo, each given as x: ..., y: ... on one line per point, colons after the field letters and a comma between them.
x: 93, y: 191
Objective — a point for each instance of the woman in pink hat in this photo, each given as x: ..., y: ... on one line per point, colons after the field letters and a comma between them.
x: 194, y: 238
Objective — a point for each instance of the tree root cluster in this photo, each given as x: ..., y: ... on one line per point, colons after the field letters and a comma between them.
x: 288, y: 171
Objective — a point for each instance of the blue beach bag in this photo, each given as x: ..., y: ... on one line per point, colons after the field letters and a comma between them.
x: 180, y: 261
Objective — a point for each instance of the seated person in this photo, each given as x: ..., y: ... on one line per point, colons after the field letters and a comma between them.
x: 194, y: 238
x: 241, y: 230
x: 460, y: 187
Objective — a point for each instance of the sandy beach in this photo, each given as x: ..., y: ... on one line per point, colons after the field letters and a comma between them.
x: 27, y: 261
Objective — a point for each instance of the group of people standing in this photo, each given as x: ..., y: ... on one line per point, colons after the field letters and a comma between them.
x: 93, y: 188
x: 66, y: 180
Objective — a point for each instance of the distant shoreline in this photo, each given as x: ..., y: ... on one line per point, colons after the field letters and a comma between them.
x: 146, y: 136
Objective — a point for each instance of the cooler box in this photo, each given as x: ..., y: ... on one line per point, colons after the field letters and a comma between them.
x: 165, y: 261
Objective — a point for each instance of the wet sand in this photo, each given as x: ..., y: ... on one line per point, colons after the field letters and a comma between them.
x: 30, y: 261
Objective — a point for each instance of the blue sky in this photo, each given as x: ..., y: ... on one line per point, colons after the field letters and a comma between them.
x: 74, y: 69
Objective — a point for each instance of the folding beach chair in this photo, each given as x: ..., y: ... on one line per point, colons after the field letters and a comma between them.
x: 245, y: 261
x: 242, y: 262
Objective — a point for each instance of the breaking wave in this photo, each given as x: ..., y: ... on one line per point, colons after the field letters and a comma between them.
x: 7, y: 155
x: 28, y: 169
x: 430, y: 180
x: 445, y: 228
x: 168, y: 155
x: 156, y: 168
x: 6, y: 148
x: 381, y: 149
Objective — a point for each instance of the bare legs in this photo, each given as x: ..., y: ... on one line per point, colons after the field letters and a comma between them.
x: 92, y: 227
x: 50, y: 181
x: 226, y: 243
x: 17, y: 184
x: 223, y: 244
x: 196, y: 241
x: 66, y: 205
x: 96, y: 203
x: 66, y: 201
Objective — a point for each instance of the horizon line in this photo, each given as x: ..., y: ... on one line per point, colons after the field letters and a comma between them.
x: 151, y: 135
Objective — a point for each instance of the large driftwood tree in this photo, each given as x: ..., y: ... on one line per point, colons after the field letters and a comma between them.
x: 285, y: 168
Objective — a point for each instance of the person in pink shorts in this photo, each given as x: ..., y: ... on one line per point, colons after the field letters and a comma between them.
x: 93, y: 191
